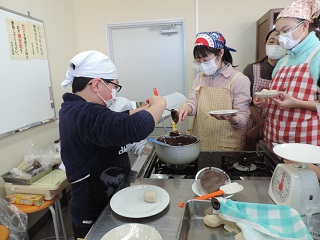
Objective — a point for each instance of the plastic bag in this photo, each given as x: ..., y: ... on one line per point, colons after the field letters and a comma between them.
x: 15, y: 220
x: 36, y: 161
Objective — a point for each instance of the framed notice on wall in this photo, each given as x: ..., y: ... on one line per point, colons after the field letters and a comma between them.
x: 25, y: 95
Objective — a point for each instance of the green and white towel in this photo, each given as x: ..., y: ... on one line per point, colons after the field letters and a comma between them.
x: 264, y: 221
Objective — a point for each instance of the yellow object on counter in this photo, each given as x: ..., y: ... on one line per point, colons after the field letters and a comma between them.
x: 27, y: 199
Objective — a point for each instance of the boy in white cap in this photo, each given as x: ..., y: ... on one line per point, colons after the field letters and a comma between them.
x: 93, y: 138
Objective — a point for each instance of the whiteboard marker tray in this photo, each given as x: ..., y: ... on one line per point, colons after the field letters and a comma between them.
x: 192, y: 225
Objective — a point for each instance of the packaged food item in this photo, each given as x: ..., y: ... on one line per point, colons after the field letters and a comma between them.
x: 27, y: 199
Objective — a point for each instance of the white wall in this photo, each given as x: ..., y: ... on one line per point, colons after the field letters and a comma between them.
x: 236, y: 20
x: 229, y: 17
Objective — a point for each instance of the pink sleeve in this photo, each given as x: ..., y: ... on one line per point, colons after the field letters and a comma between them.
x: 192, y: 98
x: 241, y: 99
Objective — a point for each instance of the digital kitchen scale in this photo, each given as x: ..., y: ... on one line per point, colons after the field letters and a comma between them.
x: 294, y: 185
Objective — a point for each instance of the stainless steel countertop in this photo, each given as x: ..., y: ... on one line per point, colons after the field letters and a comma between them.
x: 167, y: 222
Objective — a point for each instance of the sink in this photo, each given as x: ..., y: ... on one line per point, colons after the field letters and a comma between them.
x: 192, y: 226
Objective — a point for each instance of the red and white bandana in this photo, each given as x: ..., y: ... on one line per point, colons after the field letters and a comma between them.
x: 304, y: 9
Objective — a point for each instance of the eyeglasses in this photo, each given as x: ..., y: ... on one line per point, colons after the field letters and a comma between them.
x: 117, y: 86
x: 198, y: 62
x: 290, y: 29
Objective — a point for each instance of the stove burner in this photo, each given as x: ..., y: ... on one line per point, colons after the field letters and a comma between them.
x: 177, y: 167
x: 245, y: 167
x: 245, y: 164
x: 186, y: 171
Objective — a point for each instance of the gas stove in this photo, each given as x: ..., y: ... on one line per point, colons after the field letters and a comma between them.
x: 238, y: 165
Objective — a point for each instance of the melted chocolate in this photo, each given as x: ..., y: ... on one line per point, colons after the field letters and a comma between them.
x: 178, y: 140
x: 174, y: 134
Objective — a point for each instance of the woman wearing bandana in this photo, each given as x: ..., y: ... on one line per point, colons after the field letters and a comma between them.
x: 93, y: 138
x: 218, y: 86
x: 292, y: 115
x: 260, y: 75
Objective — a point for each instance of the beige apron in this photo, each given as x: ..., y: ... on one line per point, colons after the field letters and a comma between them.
x: 215, y: 135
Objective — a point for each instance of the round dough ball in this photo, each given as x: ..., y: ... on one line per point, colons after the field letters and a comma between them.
x: 208, y: 211
x: 213, y: 220
x: 273, y: 91
x: 150, y: 196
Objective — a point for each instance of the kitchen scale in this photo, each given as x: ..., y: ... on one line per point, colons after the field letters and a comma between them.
x: 294, y: 185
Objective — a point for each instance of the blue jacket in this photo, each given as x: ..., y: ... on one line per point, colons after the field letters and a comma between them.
x: 93, y: 141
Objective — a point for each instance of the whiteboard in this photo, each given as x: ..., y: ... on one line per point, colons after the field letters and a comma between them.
x: 25, y: 94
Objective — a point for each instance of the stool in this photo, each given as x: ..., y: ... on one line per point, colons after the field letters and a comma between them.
x: 4, y: 233
x: 56, y: 213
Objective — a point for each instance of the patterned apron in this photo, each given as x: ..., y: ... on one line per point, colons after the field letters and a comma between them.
x: 294, y: 124
x: 215, y: 135
x: 258, y: 84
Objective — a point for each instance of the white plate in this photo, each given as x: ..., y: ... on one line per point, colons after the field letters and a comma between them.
x: 132, y: 231
x: 129, y: 202
x: 298, y: 152
x: 197, y: 191
x: 259, y: 94
x: 223, y: 112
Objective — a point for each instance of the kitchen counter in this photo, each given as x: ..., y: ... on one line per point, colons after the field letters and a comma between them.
x: 167, y: 222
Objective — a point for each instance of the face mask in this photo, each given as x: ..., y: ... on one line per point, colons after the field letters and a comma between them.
x: 275, y: 51
x: 286, y: 40
x: 209, y: 67
x: 113, y: 94
x: 107, y: 102
x: 113, y: 91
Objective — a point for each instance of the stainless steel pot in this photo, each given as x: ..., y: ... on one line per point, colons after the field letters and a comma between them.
x: 176, y: 155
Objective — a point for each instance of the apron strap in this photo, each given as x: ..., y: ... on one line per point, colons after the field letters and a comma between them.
x: 285, y: 60
x: 197, y: 88
x: 232, y: 80
x: 314, y: 52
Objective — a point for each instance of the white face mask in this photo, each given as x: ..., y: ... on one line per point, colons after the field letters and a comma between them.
x: 113, y: 94
x: 275, y: 51
x: 286, y: 40
x: 209, y: 67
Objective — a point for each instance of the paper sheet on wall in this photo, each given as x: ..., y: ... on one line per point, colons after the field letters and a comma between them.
x: 17, y: 37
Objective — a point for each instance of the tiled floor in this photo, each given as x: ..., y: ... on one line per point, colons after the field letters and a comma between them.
x: 47, y: 233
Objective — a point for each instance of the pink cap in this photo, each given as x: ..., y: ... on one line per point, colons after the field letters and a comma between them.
x: 304, y: 9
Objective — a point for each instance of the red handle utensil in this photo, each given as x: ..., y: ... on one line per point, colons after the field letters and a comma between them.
x: 155, y: 92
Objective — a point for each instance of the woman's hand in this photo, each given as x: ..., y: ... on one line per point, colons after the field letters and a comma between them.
x: 260, y: 102
x: 184, y: 111
x: 285, y: 101
x: 233, y: 119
